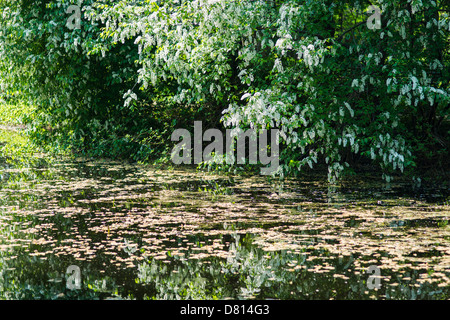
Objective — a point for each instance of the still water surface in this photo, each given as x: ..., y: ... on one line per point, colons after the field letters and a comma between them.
x: 140, y: 233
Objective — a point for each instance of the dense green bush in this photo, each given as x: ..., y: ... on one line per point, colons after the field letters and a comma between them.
x: 77, y: 87
x: 340, y: 92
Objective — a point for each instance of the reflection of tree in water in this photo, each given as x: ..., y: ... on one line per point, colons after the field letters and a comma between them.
x: 71, y: 215
x: 23, y: 277
x: 246, y: 272
x: 249, y: 272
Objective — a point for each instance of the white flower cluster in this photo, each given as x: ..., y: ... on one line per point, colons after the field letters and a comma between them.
x: 308, y: 95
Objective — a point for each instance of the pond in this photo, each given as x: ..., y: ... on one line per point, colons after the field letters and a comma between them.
x: 130, y: 231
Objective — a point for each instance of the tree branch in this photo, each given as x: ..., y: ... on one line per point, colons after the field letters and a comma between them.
x: 351, y: 29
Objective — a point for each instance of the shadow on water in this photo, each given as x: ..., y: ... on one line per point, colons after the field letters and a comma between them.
x: 137, y: 232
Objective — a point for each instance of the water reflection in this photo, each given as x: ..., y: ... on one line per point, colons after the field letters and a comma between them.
x: 140, y: 233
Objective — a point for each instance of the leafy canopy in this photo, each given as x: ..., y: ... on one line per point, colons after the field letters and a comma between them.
x: 339, y: 91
